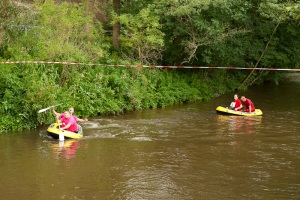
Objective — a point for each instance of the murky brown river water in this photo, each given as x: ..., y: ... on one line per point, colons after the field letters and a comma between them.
x: 181, y: 152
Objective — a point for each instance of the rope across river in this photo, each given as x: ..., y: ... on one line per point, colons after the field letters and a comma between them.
x: 149, y: 66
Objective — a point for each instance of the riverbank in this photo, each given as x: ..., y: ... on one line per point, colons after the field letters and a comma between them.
x: 101, y: 91
x: 151, y: 33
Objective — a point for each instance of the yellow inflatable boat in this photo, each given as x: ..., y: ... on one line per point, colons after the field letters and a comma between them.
x: 227, y: 111
x: 53, y: 131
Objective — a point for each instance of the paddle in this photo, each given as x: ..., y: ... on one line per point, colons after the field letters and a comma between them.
x: 61, y: 134
x: 44, y: 109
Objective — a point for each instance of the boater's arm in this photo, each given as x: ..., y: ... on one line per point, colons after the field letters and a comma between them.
x: 54, y: 112
x: 66, y: 127
x: 81, y: 120
x: 77, y: 119
x: 239, y: 107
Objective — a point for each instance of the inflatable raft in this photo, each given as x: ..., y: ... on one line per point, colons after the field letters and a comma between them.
x: 226, y: 111
x: 53, y: 131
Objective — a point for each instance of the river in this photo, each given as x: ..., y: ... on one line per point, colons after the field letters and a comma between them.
x: 180, y: 152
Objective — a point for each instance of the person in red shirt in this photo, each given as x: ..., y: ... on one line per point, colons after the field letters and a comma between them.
x: 237, y: 103
x: 248, y: 104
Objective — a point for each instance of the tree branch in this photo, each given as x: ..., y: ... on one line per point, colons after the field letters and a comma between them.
x: 261, y: 55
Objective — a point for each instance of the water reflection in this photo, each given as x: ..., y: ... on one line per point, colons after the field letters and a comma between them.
x: 239, y: 124
x: 184, y: 152
x: 66, y: 148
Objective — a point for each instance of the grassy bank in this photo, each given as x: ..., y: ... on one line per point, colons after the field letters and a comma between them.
x: 99, y: 91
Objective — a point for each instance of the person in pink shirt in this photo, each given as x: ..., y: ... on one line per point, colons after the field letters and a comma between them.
x: 68, y: 122
x: 71, y: 110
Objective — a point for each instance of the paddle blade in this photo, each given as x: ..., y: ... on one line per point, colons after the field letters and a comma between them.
x: 43, y: 110
x: 61, y: 136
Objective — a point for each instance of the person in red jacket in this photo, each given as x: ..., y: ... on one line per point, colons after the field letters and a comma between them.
x: 247, y: 104
x: 236, y: 105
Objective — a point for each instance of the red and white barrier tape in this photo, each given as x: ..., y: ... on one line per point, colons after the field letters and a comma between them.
x: 146, y: 66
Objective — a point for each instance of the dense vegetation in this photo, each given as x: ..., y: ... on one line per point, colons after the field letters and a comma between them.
x: 244, y: 33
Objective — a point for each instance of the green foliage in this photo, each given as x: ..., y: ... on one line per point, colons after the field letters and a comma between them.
x: 66, y: 33
x: 192, y: 27
x: 15, y: 109
x: 55, y: 32
x: 280, y: 11
x: 141, y: 37
x: 226, y: 33
x: 97, y: 91
x: 171, y: 32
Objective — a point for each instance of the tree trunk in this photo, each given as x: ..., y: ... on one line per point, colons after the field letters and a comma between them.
x: 101, y: 8
x: 2, y: 8
x: 89, y: 7
x: 0, y: 36
x: 116, y: 26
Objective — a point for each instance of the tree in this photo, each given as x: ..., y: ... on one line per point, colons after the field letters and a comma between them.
x: 117, y: 25
x: 141, y: 36
x: 192, y: 26
x: 279, y: 13
x: 67, y: 28
x: 4, y: 5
